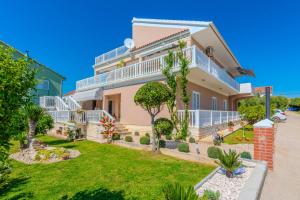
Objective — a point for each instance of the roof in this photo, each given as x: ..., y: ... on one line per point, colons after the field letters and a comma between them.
x: 262, y: 89
x: 70, y: 93
x: 22, y: 54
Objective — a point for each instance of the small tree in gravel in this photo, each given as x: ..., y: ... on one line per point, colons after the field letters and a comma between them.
x: 151, y: 97
x: 33, y: 113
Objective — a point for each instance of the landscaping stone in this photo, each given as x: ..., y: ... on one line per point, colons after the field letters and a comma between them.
x: 231, y: 188
x: 29, y: 156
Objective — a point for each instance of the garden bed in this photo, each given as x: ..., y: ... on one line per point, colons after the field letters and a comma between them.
x: 42, y: 153
x: 236, y: 137
x: 240, y: 185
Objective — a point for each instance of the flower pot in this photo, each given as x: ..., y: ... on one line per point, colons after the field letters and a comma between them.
x: 230, y: 129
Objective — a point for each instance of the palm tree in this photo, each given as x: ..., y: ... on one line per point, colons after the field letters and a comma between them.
x: 33, y: 113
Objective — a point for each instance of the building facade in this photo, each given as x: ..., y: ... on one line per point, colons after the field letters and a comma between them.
x: 49, y: 82
x: 119, y: 73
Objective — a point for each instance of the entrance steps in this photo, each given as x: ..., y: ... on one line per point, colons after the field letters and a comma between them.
x: 121, y: 129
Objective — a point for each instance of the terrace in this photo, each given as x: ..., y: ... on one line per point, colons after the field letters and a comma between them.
x: 153, y: 67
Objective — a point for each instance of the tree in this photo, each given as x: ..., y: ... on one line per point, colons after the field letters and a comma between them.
x: 295, y: 102
x: 33, y: 114
x: 163, y: 126
x: 280, y: 102
x: 183, y: 81
x: 171, y: 81
x: 16, y: 82
x: 151, y: 97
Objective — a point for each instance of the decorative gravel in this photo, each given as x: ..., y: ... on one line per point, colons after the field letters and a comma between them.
x: 28, y: 156
x: 229, y: 188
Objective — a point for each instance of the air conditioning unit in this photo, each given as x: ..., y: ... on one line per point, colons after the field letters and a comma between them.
x: 210, y: 51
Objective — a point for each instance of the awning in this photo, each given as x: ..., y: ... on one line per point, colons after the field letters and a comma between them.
x: 95, y: 94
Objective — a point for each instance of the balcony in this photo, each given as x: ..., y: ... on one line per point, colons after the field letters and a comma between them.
x: 153, y: 67
x: 116, y: 53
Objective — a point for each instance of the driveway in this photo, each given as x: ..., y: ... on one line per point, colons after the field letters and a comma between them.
x: 283, y: 183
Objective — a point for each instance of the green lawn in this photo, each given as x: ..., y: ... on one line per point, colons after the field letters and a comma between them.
x: 237, y: 136
x: 102, y: 171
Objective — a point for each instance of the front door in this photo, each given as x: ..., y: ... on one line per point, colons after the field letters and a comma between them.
x: 110, y: 107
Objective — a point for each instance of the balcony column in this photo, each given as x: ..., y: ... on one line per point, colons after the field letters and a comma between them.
x: 197, y: 116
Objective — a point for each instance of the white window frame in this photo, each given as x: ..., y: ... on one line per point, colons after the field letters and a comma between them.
x: 196, y: 100
x: 214, y: 103
x: 225, y: 105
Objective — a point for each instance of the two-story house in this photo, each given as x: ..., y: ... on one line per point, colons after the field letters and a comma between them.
x: 119, y: 73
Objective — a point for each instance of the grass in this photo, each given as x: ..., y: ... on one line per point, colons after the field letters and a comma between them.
x: 102, y: 171
x: 237, y: 136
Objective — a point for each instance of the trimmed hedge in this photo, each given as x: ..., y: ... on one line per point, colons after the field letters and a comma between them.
x: 147, y: 134
x: 246, y: 154
x: 145, y: 140
x: 213, y: 152
x: 183, y: 147
x: 192, y: 140
x: 128, y: 138
x: 116, y: 137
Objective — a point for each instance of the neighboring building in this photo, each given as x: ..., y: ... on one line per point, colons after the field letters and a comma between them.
x: 121, y: 72
x: 261, y: 91
x: 49, y: 82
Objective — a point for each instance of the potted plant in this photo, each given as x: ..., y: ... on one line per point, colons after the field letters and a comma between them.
x: 230, y: 126
x: 121, y: 64
x: 229, y: 162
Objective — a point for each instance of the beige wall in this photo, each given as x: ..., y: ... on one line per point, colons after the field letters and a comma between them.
x: 131, y: 113
x: 145, y: 34
x: 205, y: 97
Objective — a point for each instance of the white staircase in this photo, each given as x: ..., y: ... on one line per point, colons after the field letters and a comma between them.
x: 72, y: 103
x: 53, y: 103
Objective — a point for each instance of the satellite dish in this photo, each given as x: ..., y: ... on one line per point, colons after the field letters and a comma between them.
x: 129, y: 43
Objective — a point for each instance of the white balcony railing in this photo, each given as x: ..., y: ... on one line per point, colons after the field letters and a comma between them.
x: 53, y: 102
x: 111, y: 55
x: 65, y: 116
x: 154, y: 67
x: 205, y: 118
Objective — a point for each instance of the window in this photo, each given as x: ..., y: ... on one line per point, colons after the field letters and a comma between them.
x: 43, y: 85
x: 225, y: 105
x: 195, y: 100
x: 214, y: 103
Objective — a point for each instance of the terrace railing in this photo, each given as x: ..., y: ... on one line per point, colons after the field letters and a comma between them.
x: 205, y: 118
x: 79, y: 116
x: 53, y: 102
x: 154, y: 66
x: 111, y: 55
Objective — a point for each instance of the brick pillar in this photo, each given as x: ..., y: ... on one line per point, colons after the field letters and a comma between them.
x: 264, y: 141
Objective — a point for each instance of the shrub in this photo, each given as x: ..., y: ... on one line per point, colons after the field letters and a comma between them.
x: 5, y: 169
x: 246, y: 154
x: 136, y: 133
x: 162, y: 143
x: 145, y: 140
x: 213, y: 152
x: 210, y: 195
x: 230, y: 124
x: 168, y: 137
x: 116, y: 137
x: 128, y: 138
x: 44, y: 124
x: 229, y: 161
x: 183, y: 147
x: 163, y: 126
x: 176, y: 191
x: 147, y: 134
x: 192, y: 140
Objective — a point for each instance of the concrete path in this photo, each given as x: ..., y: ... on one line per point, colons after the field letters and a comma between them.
x: 283, y: 183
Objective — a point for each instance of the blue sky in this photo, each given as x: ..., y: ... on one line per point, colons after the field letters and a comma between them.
x: 67, y: 35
